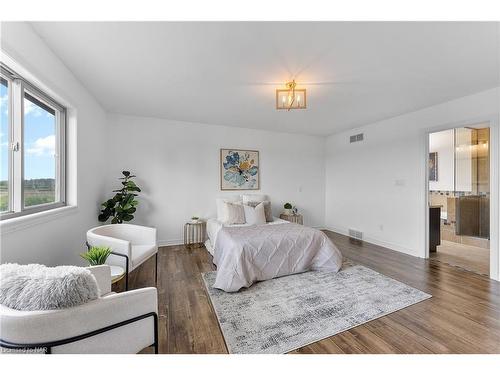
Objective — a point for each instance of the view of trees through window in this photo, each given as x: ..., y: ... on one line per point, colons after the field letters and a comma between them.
x: 39, y: 152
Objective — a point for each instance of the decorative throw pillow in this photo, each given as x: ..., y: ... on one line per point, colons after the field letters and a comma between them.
x: 235, y: 214
x: 37, y: 287
x: 267, y: 209
x: 255, y: 215
x: 221, y: 207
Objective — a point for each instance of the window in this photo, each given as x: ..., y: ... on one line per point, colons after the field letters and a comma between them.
x: 32, y: 140
x: 4, y: 145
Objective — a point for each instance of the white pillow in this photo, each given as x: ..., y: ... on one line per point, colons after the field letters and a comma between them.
x: 267, y: 209
x: 255, y: 215
x: 221, y: 208
x: 253, y: 198
x: 235, y: 214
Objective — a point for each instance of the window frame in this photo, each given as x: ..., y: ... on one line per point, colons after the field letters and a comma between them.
x: 10, y: 186
x: 17, y: 87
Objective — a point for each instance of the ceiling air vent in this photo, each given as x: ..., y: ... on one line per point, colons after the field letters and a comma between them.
x: 356, y: 138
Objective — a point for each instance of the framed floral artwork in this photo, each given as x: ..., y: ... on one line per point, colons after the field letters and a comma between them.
x: 239, y: 169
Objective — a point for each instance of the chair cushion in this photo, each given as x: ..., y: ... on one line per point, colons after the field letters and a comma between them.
x: 140, y: 253
x: 37, y: 287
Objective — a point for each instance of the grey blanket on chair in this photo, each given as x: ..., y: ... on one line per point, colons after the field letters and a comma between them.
x: 37, y: 287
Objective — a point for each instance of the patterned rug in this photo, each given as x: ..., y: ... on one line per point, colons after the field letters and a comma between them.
x: 284, y: 314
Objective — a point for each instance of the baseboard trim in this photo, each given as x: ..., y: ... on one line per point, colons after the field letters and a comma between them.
x: 170, y: 242
x: 376, y: 241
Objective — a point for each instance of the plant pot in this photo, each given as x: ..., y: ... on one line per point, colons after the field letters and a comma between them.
x: 288, y: 211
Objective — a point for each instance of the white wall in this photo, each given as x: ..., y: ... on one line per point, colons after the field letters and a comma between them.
x: 443, y: 143
x: 60, y: 239
x: 378, y: 186
x: 177, y: 165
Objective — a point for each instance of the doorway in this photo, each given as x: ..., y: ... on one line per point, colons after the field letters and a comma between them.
x: 458, y: 190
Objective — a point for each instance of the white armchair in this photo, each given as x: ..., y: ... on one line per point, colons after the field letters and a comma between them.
x: 114, y: 323
x: 131, y: 245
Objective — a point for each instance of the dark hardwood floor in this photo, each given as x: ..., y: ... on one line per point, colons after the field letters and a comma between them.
x: 463, y: 316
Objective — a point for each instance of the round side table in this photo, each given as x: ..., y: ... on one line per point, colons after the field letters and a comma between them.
x: 117, y: 273
x: 194, y: 234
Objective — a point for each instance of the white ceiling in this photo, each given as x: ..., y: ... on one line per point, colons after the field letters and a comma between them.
x: 227, y: 73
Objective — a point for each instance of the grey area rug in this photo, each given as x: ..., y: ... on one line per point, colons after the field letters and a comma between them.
x: 284, y: 314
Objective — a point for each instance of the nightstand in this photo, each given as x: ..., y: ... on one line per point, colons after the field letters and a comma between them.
x: 194, y: 234
x: 293, y: 218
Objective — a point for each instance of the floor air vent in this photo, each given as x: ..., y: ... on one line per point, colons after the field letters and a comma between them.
x: 356, y: 234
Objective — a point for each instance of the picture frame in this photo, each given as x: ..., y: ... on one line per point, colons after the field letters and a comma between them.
x: 239, y: 169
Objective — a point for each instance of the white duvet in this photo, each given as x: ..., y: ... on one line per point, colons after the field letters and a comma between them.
x: 246, y: 254
x: 214, y: 226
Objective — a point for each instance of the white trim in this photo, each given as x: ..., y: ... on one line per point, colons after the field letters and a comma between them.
x: 494, y: 200
x: 376, y: 241
x: 170, y: 242
x: 17, y: 137
x: 494, y: 186
x: 22, y: 222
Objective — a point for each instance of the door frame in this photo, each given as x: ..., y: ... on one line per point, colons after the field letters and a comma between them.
x: 493, y: 121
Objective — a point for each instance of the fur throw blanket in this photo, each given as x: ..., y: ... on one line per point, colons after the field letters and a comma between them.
x: 37, y: 287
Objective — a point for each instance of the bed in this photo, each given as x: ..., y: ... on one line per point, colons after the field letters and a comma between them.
x: 246, y: 253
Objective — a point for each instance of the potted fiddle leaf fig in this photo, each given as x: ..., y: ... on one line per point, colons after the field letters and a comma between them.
x: 124, y: 204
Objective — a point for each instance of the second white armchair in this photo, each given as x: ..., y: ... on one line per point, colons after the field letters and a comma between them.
x: 117, y: 323
x: 131, y: 245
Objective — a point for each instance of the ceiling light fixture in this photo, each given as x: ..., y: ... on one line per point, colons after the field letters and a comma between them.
x: 291, y: 97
